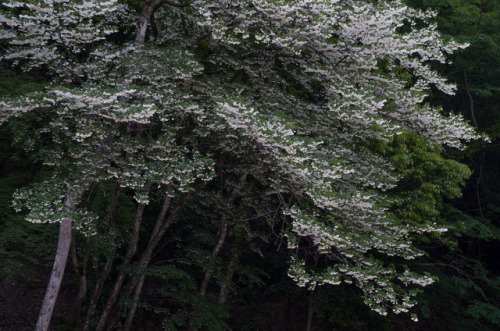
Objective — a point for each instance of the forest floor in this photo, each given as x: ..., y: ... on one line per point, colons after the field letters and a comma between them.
x: 20, y: 303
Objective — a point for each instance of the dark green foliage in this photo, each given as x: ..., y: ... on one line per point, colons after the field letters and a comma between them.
x: 343, y: 308
x: 428, y: 178
x: 467, y: 294
x: 473, y: 227
x: 484, y: 310
x: 17, y: 82
x: 23, y: 246
x: 173, y: 294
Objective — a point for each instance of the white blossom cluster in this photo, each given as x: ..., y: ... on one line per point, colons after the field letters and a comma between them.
x: 54, y: 33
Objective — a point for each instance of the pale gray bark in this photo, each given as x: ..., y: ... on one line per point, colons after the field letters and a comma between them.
x: 147, y: 11
x: 56, y: 277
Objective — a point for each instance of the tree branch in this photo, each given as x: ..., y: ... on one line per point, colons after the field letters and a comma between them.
x: 174, y: 4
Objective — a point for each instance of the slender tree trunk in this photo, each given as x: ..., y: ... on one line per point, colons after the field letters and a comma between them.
x: 128, y: 257
x: 471, y: 100
x: 137, y: 294
x: 311, y: 298
x: 231, y: 268
x: 81, y: 272
x: 157, y: 235
x: 103, y: 275
x: 150, y: 6
x: 222, y: 237
x: 230, y: 271
x: 215, y: 252
x: 155, y: 238
x: 131, y: 312
x: 97, y: 292
x: 147, y: 11
x: 208, y: 274
x: 57, y: 274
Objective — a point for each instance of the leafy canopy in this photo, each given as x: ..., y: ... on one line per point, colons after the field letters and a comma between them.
x: 294, y: 94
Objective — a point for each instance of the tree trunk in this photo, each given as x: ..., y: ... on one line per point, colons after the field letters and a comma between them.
x: 147, y: 11
x: 97, y: 292
x: 137, y: 294
x: 156, y: 235
x: 101, y: 276
x: 311, y: 298
x: 81, y: 272
x: 128, y: 257
x: 215, y: 252
x: 230, y: 270
x: 150, y: 6
x: 57, y: 274
x: 131, y: 312
x: 222, y: 237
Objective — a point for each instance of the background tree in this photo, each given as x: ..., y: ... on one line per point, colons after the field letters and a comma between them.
x: 469, y: 271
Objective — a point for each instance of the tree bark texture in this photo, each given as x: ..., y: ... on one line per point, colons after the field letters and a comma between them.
x: 147, y: 11
x: 56, y: 277
x: 97, y: 292
x: 137, y: 294
x: 222, y: 237
x: 158, y: 233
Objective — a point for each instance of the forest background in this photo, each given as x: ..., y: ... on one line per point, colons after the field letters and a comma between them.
x: 260, y: 294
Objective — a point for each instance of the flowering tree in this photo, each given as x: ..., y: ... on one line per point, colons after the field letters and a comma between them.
x: 291, y: 94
